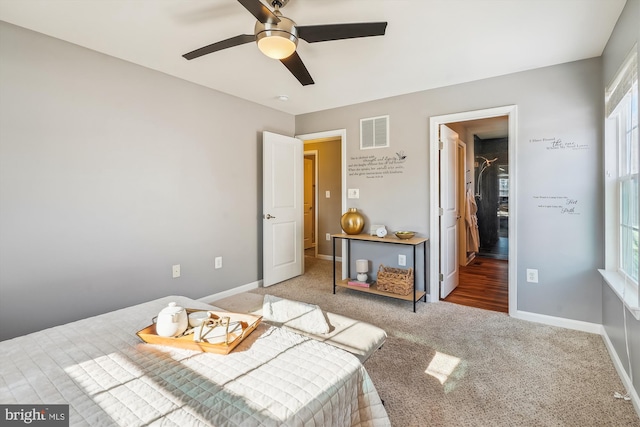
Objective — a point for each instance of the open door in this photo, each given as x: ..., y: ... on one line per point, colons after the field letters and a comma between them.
x: 449, y: 210
x: 282, y: 214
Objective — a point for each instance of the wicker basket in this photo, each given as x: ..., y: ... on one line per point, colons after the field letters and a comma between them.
x: 395, y: 280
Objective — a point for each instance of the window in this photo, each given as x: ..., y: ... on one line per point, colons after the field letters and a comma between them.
x: 622, y: 159
x: 627, y: 112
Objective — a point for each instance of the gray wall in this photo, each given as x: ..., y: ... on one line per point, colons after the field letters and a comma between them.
x: 562, y: 102
x: 624, y: 36
x: 110, y: 173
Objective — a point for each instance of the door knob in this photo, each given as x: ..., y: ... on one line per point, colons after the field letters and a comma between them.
x: 268, y: 216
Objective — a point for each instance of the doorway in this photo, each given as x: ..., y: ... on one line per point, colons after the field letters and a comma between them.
x: 476, y: 175
x: 310, y: 202
x: 329, y: 149
x: 474, y: 213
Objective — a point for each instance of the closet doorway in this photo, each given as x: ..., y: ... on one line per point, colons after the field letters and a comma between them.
x: 485, y: 192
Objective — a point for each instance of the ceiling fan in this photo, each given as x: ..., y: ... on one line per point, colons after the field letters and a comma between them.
x: 277, y: 36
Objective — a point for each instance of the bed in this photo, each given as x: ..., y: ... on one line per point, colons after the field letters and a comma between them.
x: 109, y: 377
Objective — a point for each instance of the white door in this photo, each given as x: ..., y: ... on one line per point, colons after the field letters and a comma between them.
x: 449, y: 209
x: 282, y: 203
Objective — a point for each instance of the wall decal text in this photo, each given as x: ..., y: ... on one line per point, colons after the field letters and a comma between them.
x: 564, y: 205
x: 558, y: 144
x: 376, y: 167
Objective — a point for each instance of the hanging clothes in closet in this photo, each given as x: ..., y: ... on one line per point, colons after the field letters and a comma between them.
x: 471, y: 223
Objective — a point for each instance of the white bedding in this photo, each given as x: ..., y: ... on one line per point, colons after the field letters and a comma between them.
x: 108, y: 376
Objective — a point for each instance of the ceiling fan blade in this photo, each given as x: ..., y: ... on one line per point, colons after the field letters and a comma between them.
x: 224, y: 44
x: 323, y: 33
x: 297, y: 68
x: 260, y: 11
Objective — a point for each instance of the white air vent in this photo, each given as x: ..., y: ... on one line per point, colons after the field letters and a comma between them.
x: 374, y: 132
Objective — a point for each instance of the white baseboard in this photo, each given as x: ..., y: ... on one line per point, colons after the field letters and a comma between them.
x: 577, y: 325
x: 231, y: 292
x: 626, y: 381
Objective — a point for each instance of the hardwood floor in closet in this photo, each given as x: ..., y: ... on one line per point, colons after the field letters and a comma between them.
x: 483, y: 284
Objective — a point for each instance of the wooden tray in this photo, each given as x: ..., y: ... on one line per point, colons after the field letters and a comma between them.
x: 249, y: 323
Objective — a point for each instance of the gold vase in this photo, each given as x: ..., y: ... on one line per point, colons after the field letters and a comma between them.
x: 352, y: 221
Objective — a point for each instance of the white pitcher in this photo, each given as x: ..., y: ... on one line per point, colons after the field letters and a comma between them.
x: 172, y: 321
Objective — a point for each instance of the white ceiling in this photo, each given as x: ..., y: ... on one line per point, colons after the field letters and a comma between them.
x: 428, y: 43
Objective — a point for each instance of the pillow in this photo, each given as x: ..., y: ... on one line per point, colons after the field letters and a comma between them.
x: 294, y: 314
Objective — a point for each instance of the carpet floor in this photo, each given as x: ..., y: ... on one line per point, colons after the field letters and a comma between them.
x: 450, y: 365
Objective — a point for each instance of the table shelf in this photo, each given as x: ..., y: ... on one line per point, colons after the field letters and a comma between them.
x: 373, y: 289
x: 414, y: 296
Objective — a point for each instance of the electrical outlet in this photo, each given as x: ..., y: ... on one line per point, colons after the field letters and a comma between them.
x: 218, y: 262
x: 532, y: 275
x: 402, y: 260
x: 328, y: 236
x: 176, y: 271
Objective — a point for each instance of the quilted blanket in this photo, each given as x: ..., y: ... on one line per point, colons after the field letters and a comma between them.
x: 110, y: 378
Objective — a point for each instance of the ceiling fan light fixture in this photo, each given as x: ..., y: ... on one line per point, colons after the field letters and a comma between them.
x: 277, y: 40
x: 276, y: 44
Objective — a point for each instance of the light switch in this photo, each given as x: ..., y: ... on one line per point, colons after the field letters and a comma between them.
x: 327, y: 194
x: 353, y: 193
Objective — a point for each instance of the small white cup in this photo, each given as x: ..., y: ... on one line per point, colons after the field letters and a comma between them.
x: 197, y: 317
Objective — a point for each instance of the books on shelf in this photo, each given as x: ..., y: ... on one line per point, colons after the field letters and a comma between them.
x: 366, y: 284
